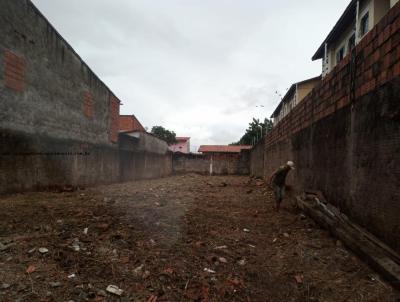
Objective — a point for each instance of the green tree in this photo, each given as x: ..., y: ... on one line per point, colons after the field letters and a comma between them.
x: 164, y: 134
x: 255, y: 132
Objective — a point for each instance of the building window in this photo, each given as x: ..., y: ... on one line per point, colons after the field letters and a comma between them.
x: 364, y: 25
x: 352, y: 42
x: 340, y: 55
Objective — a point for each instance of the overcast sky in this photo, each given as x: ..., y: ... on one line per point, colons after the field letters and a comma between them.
x: 197, y: 67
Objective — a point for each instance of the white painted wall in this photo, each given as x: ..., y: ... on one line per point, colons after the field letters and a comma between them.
x: 368, y: 6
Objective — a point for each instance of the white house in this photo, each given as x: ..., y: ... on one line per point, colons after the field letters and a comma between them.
x: 296, y: 93
x: 357, y: 20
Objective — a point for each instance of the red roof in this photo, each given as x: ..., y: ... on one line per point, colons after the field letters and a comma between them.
x: 183, y: 138
x: 223, y: 149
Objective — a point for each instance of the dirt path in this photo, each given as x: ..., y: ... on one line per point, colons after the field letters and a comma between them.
x: 183, y: 238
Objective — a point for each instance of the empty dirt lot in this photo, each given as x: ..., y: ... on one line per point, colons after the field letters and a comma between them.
x: 183, y: 238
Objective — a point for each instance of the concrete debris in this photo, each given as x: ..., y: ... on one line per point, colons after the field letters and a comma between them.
x: 5, y: 286
x: 242, y: 262
x: 113, y: 289
x: 146, y: 275
x: 55, y: 284
x: 207, y: 270
x: 43, y: 250
x: 75, y: 246
x: 5, y: 247
x: 138, y: 271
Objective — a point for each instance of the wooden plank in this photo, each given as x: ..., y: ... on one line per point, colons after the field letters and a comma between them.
x: 380, y: 257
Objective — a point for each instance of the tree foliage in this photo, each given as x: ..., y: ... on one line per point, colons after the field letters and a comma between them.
x: 255, y: 132
x: 164, y: 134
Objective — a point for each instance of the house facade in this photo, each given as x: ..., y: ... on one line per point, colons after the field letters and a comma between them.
x: 357, y: 20
x: 296, y: 93
x: 182, y: 145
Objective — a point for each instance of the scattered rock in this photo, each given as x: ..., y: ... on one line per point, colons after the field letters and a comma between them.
x: 303, y: 217
x: 222, y: 247
x: 71, y: 276
x: 286, y: 235
x: 113, y: 289
x: 85, y: 231
x: 102, y: 293
x: 242, y: 262
x: 55, y: 284
x: 5, y: 286
x: 138, y: 271
x: 5, y: 247
x: 207, y: 270
x: 299, y: 279
x: 222, y: 260
x: 31, y: 251
x: 146, y: 275
x: 31, y: 269
x: 43, y: 250
x: 246, y: 230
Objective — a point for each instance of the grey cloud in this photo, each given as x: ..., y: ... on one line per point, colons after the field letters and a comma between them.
x: 198, y: 67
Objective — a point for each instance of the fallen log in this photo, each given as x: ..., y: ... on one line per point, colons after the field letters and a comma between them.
x: 377, y: 254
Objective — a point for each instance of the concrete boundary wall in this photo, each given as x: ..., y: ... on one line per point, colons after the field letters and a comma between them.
x: 257, y: 159
x: 59, y: 122
x: 217, y: 164
x: 345, y: 135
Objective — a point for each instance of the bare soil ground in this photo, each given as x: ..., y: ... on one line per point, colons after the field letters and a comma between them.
x: 183, y: 238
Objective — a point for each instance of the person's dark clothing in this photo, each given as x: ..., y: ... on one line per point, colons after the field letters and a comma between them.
x: 280, y: 176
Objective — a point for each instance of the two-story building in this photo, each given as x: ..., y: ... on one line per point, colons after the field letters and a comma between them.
x: 357, y: 20
x: 296, y: 93
x: 182, y: 145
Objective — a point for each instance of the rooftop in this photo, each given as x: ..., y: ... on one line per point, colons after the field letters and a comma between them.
x: 290, y: 92
x: 344, y: 21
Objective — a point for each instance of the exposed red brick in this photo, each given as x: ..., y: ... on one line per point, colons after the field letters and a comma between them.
x: 88, y: 105
x: 14, y: 71
x: 114, y: 119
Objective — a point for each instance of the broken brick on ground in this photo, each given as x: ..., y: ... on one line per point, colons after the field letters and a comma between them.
x: 182, y: 238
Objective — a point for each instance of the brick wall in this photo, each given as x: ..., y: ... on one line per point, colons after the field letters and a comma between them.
x: 45, y: 87
x: 257, y: 159
x: 345, y: 135
x: 130, y: 123
x: 51, y: 106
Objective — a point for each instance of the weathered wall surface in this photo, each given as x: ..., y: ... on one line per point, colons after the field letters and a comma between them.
x: 143, y: 156
x: 52, y: 108
x: 39, y: 162
x: 257, y: 159
x: 222, y: 164
x: 45, y: 88
x: 345, y: 136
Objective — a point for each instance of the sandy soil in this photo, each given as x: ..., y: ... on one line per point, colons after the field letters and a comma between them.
x: 183, y: 238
